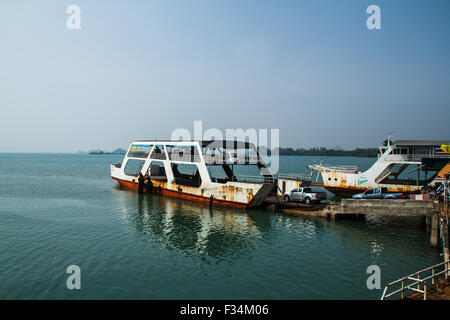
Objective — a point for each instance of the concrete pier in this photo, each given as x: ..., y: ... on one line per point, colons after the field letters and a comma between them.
x: 357, y: 209
x: 386, y: 207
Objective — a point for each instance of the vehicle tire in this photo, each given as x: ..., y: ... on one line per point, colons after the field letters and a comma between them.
x: 308, y: 200
x: 286, y: 198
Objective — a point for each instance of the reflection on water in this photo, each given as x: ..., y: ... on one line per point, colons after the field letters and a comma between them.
x: 195, y: 229
x: 297, y: 257
x: 377, y: 248
x: 222, y: 234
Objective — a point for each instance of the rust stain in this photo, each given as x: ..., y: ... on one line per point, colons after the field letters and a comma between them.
x: 338, y: 182
x: 164, y: 191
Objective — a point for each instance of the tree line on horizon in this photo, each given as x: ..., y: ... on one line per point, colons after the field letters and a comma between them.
x: 358, y: 152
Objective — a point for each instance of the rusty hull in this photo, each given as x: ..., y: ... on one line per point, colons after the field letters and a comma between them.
x: 233, y: 194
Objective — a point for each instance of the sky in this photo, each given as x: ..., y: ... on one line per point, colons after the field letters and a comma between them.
x: 141, y: 69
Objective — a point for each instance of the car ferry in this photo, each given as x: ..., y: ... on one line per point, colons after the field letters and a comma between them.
x: 402, y: 166
x: 227, y: 173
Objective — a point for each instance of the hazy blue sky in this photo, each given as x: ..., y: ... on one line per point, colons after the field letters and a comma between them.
x: 140, y: 69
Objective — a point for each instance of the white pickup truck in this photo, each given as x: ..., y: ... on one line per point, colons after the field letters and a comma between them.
x: 304, y: 195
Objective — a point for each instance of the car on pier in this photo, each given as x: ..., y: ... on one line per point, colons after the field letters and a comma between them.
x: 304, y: 195
x: 379, y: 193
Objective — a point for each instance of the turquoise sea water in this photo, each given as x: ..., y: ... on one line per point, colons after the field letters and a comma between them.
x: 60, y: 210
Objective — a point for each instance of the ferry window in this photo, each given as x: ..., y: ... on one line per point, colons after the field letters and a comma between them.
x: 183, y: 153
x: 218, y: 174
x: 139, y: 150
x: 133, y: 167
x: 404, y: 151
x: 158, y: 153
x: 157, y: 171
x: 186, y: 174
x: 250, y: 173
x: 213, y: 156
x: 421, y: 151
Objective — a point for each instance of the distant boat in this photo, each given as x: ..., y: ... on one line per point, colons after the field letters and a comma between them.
x: 117, y: 151
x: 96, y: 152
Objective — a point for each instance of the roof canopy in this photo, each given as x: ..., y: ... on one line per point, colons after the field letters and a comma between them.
x: 421, y: 143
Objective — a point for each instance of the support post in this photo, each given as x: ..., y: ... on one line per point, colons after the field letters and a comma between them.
x: 445, y: 222
x: 418, y: 175
x: 434, y: 237
x: 445, y: 240
x: 428, y: 223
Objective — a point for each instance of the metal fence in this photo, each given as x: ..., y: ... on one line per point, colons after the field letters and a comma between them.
x: 417, y: 282
x: 253, y: 179
x: 295, y: 176
x: 333, y: 167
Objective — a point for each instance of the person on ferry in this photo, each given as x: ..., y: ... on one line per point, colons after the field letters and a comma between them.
x: 148, y: 183
x: 141, y: 180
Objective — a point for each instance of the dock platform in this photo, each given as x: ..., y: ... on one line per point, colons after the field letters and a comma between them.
x: 358, y: 209
x: 352, y: 207
x: 439, y: 292
x: 432, y: 283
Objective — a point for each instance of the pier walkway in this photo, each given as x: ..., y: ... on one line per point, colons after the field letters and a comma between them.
x: 358, y: 208
x: 352, y: 207
x: 432, y: 283
x: 439, y: 292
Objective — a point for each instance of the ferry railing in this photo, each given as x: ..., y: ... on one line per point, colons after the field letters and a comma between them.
x: 295, y: 176
x: 184, y: 158
x: 253, y: 179
x: 213, y: 159
x: 226, y: 159
x: 137, y: 154
x: 414, y: 157
x: 419, y: 281
x: 158, y: 156
x: 334, y: 167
